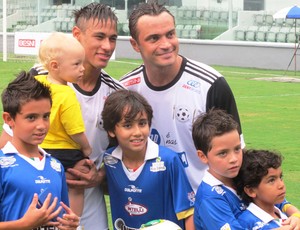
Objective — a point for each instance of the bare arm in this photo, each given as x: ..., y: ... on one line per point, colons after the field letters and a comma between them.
x: 189, y: 223
x: 80, y: 138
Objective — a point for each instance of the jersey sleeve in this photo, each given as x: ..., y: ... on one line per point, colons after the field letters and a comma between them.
x: 184, y: 197
x: 220, y: 96
x: 215, y: 213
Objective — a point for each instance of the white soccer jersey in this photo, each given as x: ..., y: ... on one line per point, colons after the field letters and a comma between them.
x: 195, y: 89
x: 94, y: 212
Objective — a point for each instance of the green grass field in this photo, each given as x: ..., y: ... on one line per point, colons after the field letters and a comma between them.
x: 269, y: 111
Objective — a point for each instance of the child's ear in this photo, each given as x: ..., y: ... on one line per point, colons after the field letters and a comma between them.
x: 251, y: 192
x: 202, y: 156
x: 111, y: 134
x: 53, y: 65
x: 7, y: 119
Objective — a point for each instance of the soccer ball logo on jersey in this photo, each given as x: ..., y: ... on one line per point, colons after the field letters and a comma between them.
x: 181, y: 113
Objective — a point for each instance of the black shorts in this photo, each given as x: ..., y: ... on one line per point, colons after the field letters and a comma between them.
x: 68, y: 157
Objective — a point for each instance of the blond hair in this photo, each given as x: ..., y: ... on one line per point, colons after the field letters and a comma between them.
x: 55, y: 47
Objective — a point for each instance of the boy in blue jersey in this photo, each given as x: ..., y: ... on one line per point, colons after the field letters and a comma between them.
x: 145, y: 181
x: 260, y: 183
x: 29, y: 177
x: 217, y: 205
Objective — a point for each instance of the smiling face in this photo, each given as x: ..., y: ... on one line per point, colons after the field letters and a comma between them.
x: 132, y: 136
x: 99, y: 41
x: 31, y: 124
x: 225, y: 157
x: 157, y: 41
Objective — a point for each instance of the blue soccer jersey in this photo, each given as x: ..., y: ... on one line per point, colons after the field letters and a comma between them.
x: 21, y: 177
x: 159, y: 189
x: 256, y: 218
x: 217, y: 206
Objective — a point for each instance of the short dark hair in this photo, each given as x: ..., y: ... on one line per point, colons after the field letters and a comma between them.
x: 254, y: 167
x: 117, y: 102
x: 21, y: 90
x: 208, y: 125
x: 151, y: 8
x: 95, y: 11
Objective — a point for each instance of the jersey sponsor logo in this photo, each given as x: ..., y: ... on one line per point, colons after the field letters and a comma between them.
x: 182, y: 113
x: 120, y: 225
x: 55, y: 165
x: 7, y: 161
x: 192, y: 85
x: 219, y: 190
x: 42, y: 180
x: 110, y: 160
x: 133, y: 189
x: 132, y: 81
x: 158, y: 165
x: 135, y: 209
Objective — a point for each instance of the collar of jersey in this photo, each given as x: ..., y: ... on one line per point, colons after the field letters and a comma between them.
x: 261, y: 214
x: 9, y: 148
x: 151, y: 152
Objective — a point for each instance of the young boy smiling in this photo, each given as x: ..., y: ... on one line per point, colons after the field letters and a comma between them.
x: 145, y: 181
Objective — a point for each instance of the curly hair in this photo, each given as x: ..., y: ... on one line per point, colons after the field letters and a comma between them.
x: 254, y: 167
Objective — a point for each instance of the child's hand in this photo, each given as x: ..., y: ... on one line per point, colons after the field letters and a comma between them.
x: 293, y: 222
x: 70, y: 220
x: 35, y: 217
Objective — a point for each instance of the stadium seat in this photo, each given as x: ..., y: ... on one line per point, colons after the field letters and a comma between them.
x: 272, y: 33
x: 259, y: 19
x: 179, y: 29
x: 185, y: 33
x: 291, y: 37
x: 261, y: 33
x: 240, y: 35
x: 279, y: 22
x: 269, y: 21
x: 250, y: 33
x: 289, y: 22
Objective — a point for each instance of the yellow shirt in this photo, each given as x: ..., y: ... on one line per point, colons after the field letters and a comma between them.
x: 65, y: 118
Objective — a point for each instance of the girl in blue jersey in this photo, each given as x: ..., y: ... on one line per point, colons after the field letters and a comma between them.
x: 145, y: 181
x: 217, y: 205
x: 29, y: 177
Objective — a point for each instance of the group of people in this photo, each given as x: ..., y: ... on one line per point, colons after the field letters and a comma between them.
x: 168, y: 134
